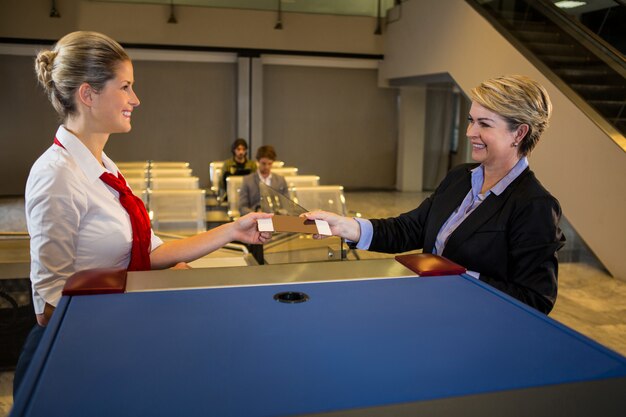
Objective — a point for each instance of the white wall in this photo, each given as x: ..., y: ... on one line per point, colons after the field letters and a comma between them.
x: 198, y: 26
x: 575, y: 160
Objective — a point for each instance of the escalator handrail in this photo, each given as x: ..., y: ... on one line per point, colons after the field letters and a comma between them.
x: 594, y: 43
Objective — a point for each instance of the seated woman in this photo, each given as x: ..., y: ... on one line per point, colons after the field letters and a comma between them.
x: 80, y: 212
x: 493, y: 217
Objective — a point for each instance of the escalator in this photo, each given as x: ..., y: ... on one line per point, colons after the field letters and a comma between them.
x: 592, y: 70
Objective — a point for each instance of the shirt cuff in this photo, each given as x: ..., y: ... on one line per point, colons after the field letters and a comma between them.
x: 367, y: 231
x: 473, y: 274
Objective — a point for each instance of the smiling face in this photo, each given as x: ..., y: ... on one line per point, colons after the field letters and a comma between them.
x: 114, y: 104
x: 490, y: 138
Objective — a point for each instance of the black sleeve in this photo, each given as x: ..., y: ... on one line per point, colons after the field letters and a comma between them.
x: 402, y: 233
x: 406, y: 232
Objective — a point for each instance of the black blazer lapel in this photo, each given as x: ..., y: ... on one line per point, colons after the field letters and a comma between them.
x: 444, y: 205
x: 482, y: 214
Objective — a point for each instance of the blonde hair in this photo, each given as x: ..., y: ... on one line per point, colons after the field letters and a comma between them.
x: 77, y: 58
x: 519, y: 100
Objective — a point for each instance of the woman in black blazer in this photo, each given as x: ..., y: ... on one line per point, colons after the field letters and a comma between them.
x: 493, y: 217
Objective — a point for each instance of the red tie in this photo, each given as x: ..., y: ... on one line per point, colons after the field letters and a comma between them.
x: 139, y: 220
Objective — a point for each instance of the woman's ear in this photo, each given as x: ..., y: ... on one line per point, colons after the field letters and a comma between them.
x: 85, y: 94
x: 521, y: 132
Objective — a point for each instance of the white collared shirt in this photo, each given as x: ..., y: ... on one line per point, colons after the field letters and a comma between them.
x: 267, y: 180
x: 74, y: 219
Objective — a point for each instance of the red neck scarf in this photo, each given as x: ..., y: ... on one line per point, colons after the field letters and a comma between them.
x: 139, y: 220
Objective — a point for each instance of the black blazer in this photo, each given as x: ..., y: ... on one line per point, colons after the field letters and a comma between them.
x: 510, y: 239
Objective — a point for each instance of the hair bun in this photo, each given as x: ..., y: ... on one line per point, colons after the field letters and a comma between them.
x: 43, y: 66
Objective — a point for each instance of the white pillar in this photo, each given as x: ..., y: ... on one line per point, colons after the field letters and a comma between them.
x: 243, y: 99
x: 411, y: 123
x: 256, y: 107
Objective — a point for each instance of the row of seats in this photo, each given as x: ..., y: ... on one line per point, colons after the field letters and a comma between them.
x: 172, y: 195
x: 152, y: 165
x: 139, y: 184
x: 156, y: 175
x: 180, y: 212
x: 177, y: 205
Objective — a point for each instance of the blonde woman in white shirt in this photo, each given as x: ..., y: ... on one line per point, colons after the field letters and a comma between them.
x: 78, y: 208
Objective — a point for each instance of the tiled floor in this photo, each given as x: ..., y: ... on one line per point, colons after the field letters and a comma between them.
x: 589, y: 301
x: 6, y: 393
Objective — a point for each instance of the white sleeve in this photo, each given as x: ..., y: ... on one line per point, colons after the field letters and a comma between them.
x: 55, y: 205
x: 155, y: 241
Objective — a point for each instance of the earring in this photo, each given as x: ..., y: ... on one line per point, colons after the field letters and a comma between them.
x: 514, y: 145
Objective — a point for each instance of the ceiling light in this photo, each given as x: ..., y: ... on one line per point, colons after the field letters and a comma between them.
x: 567, y: 4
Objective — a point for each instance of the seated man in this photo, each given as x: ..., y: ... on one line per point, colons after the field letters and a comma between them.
x: 250, y: 195
x: 239, y: 163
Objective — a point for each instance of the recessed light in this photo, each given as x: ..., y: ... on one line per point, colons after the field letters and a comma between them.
x: 567, y: 4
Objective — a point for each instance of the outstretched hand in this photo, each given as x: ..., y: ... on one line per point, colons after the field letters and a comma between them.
x: 246, y: 229
x: 181, y: 265
x: 341, y: 226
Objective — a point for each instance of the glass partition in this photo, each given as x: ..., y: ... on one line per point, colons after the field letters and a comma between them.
x: 296, y: 247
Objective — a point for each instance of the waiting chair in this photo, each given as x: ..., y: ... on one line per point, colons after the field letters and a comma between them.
x: 170, y: 172
x: 285, y: 171
x: 323, y: 197
x: 137, y: 184
x: 134, y: 172
x: 301, y: 181
x: 177, y: 211
x: 215, y: 176
x: 233, y: 187
x: 174, y: 183
x: 132, y: 165
x: 168, y: 165
x: 151, y: 164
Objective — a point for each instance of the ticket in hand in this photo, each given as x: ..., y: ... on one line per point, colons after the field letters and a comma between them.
x: 294, y: 224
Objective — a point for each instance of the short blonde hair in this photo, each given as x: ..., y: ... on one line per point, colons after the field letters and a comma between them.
x: 519, y: 100
x: 77, y: 58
